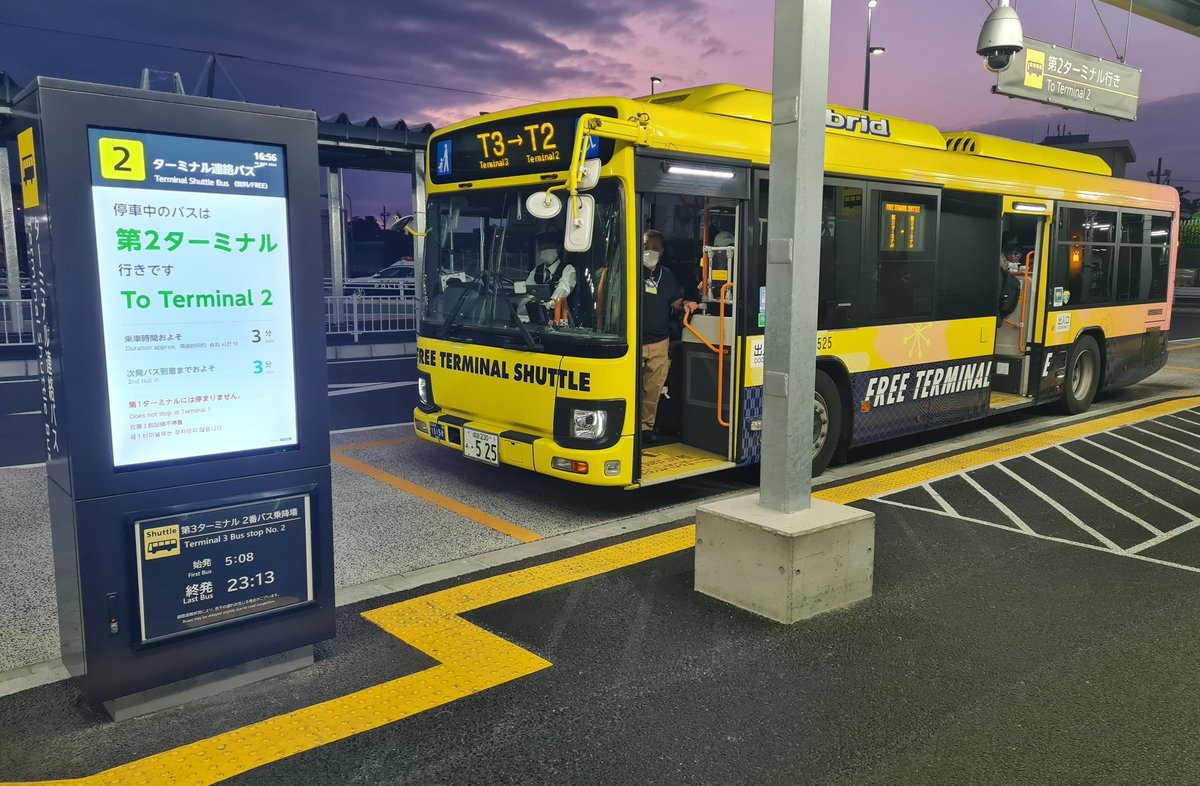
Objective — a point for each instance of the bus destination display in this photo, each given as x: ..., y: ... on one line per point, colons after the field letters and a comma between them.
x: 514, y: 146
x: 192, y: 247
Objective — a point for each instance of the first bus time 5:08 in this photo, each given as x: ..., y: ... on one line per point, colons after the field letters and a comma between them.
x: 960, y: 275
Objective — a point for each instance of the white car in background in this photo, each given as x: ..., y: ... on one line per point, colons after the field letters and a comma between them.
x: 398, y: 278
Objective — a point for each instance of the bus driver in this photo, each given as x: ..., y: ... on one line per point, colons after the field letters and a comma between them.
x: 552, y: 272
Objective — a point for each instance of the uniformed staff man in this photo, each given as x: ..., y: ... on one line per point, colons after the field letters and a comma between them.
x: 552, y: 270
x: 661, y: 295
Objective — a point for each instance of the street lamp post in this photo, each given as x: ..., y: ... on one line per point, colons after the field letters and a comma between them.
x: 871, y: 52
x: 654, y: 82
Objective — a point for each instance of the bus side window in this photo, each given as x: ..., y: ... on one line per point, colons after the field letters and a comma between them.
x: 841, y: 256
x: 1083, y: 261
x: 906, y: 246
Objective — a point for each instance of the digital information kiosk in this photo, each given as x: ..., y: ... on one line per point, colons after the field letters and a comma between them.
x: 178, y: 303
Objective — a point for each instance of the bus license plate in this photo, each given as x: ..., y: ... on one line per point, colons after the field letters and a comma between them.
x: 481, y: 446
x: 437, y: 431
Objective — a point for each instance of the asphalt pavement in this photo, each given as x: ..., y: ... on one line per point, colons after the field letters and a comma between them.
x: 1033, y: 622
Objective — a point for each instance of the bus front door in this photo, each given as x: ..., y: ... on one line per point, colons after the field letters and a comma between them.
x: 709, y: 341
x: 692, y: 433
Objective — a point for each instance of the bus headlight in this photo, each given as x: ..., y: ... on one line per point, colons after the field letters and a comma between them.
x: 588, y: 423
x: 425, y: 398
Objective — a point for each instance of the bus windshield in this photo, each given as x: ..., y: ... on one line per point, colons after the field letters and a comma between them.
x: 496, y: 274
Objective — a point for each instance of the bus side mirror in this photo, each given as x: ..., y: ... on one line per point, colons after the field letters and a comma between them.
x: 579, y: 224
x: 543, y: 205
x: 590, y: 175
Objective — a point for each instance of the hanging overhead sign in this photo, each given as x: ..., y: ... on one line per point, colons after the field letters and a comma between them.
x: 1073, y: 80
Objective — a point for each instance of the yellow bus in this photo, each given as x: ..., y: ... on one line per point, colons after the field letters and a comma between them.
x: 911, y: 336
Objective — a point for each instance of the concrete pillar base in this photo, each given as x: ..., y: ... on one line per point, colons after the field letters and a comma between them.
x: 784, y: 566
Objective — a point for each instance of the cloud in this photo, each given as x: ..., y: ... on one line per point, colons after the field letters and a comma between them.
x: 444, y: 60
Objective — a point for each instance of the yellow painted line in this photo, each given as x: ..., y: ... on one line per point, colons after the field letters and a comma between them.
x: 441, y: 500
x: 381, y: 443
x: 471, y: 660
x: 912, y: 476
x: 1182, y: 346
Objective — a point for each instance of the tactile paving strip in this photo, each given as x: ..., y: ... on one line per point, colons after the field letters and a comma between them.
x: 470, y: 660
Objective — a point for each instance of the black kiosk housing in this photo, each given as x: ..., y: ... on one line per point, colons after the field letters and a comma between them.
x: 177, y: 284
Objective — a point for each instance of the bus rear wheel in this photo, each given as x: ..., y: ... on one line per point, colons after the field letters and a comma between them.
x: 1083, y: 375
x: 827, y: 421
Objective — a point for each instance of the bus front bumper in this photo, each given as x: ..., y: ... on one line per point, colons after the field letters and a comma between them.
x: 611, y: 466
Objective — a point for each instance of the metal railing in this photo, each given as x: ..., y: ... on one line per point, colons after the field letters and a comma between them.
x: 16, y: 322
x: 359, y: 315
x: 349, y: 315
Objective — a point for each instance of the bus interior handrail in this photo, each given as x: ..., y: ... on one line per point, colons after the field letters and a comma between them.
x: 721, y: 357
x: 688, y: 324
x: 1021, y: 325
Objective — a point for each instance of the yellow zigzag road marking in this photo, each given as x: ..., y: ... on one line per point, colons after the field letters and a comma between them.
x: 471, y: 660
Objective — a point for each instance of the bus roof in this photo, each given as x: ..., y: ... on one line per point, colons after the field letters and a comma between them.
x: 737, y: 124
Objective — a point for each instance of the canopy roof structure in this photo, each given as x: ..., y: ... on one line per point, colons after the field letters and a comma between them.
x: 1180, y: 14
x: 371, y: 144
x: 342, y: 143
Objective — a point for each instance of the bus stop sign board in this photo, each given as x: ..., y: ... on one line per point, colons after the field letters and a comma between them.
x: 1063, y: 77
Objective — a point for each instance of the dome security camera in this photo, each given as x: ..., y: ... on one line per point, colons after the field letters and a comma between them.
x: 1000, y: 38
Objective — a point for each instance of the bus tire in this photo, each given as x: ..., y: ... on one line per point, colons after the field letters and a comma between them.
x: 1083, y: 375
x: 828, y: 420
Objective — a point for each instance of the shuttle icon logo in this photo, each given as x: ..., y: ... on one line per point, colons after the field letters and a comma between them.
x: 159, y: 542
x: 29, y: 180
x: 1035, y: 68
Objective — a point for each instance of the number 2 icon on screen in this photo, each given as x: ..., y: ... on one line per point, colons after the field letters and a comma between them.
x: 122, y: 159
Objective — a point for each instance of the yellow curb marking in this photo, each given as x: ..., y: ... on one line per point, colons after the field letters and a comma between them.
x: 441, y: 500
x: 912, y: 476
x: 472, y: 659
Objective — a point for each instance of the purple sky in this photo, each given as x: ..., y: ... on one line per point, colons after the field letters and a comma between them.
x: 520, y: 50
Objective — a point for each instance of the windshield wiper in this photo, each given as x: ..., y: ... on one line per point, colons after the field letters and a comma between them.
x: 529, y: 341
